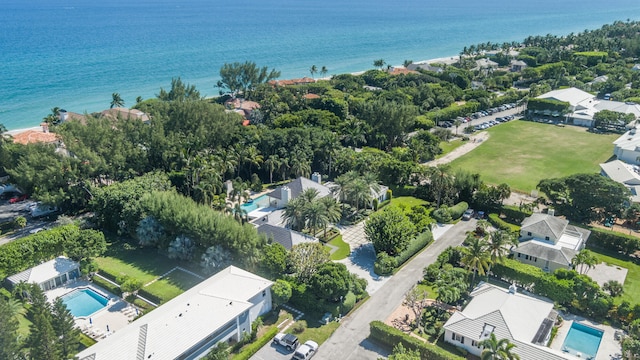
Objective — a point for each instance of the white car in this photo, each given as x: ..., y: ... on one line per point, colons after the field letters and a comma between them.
x: 306, y: 350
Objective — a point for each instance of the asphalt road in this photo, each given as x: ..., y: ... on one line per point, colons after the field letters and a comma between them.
x: 350, y: 340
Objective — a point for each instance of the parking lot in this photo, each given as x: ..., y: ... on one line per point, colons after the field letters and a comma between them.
x: 483, y: 119
x: 273, y: 352
x: 9, y: 211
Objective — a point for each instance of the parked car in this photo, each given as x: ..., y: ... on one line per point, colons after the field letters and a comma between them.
x: 43, y: 210
x: 468, y: 214
x: 289, y: 341
x: 306, y: 350
x: 38, y: 229
x: 18, y: 198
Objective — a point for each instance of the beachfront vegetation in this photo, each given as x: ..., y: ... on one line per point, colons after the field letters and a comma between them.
x: 161, y: 185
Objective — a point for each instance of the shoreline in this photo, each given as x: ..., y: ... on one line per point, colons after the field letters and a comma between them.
x: 442, y: 60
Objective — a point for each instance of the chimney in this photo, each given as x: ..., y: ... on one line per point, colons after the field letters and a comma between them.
x: 62, y: 113
x: 45, y: 127
x: 316, y: 177
x: 551, y: 212
x: 512, y: 288
x: 286, y: 195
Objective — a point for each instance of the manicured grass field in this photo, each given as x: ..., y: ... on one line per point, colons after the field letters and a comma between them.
x: 521, y: 153
x: 631, y: 284
x: 172, y: 285
x: 142, y: 264
x: 343, y: 248
x: 449, y: 146
x: 407, y: 201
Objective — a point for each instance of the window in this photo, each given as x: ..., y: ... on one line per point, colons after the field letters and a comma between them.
x: 529, y: 233
x: 475, y: 343
x: 526, y: 257
x: 458, y: 337
x: 519, y: 254
x: 546, y: 238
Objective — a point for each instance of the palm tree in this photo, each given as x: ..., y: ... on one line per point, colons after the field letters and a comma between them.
x: 138, y: 99
x: 239, y: 213
x: 378, y: 64
x: 116, y: 100
x: 360, y: 192
x: 495, y: 349
x: 333, y: 211
x: 316, y: 215
x: 294, y: 214
x: 586, y: 260
x: 497, y: 246
x: 309, y: 195
x: 323, y: 71
x: 313, y: 70
x: 272, y: 164
x: 440, y: 181
x: 476, y: 257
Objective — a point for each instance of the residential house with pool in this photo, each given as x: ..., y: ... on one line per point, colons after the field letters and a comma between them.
x: 220, y: 308
x: 524, y: 320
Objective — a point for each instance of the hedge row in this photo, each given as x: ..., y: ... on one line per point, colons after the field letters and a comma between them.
x: 458, y: 209
x: 495, y: 220
x: 391, y: 336
x: 107, y: 286
x: 614, y: 241
x: 149, y: 296
x: 108, y: 275
x: 253, y: 348
x: 414, y: 247
x: 514, y: 214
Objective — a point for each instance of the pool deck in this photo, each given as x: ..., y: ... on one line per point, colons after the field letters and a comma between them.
x: 609, y: 346
x: 116, y: 315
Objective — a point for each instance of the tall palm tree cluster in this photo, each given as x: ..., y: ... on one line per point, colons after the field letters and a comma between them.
x: 355, y: 189
x: 483, y: 252
x: 309, y: 211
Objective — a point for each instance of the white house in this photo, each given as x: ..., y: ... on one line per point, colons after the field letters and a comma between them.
x: 281, y: 196
x: 524, y: 320
x: 220, y: 308
x: 48, y: 275
x: 625, y: 174
x: 549, y: 242
x: 627, y: 147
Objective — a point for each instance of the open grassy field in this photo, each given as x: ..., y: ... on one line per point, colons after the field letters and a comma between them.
x: 172, y: 285
x: 521, y: 153
x: 449, y: 146
x: 142, y: 264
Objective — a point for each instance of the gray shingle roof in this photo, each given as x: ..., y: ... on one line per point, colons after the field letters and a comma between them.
x: 541, y: 251
x: 299, y: 185
x: 545, y: 225
x: 283, y: 236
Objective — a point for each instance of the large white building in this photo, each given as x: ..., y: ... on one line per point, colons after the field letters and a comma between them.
x: 584, y: 106
x: 524, y: 320
x: 625, y: 174
x: 48, y: 275
x: 220, y: 308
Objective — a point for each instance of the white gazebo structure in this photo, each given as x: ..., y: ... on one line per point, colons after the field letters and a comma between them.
x: 48, y: 275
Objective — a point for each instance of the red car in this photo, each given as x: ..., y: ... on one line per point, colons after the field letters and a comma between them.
x: 17, y: 199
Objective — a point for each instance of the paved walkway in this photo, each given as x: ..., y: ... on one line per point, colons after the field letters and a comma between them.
x: 474, y: 141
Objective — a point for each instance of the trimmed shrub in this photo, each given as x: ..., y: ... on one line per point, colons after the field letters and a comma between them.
x: 414, y: 247
x: 149, y: 296
x: 458, y: 209
x: 514, y: 214
x: 495, y: 220
x: 348, y: 303
x: 253, y: 348
x: 391, y: 336
x: 384, y: 264
x: 613, y: 241
x: 107, y: 286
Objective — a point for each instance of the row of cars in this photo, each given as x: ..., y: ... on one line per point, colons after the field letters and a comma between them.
x: 490, y: 123
x: 290, y: 342
x: 483, y: 113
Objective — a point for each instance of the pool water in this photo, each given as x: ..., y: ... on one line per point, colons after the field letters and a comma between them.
x: 85, y: 302
x: 582, y: 339
x: 259, y: 202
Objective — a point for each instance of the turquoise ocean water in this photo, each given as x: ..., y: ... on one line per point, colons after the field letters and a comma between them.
x: 75, y: 53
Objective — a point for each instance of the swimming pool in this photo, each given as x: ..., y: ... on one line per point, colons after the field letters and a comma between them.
x: 254, y: 204
x: 84, y: 302
x: 582, y: 339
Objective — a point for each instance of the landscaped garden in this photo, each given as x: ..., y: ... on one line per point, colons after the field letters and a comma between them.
x: 521, y: 153
x: 631, y: 286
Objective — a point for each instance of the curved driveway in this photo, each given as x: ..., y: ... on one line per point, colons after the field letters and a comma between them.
x: 350, y: 340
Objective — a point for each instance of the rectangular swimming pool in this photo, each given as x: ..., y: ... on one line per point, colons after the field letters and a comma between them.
x: 84, y: 302
x: 582, y: 339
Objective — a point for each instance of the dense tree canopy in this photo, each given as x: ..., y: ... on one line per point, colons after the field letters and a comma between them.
x: 389, y: 230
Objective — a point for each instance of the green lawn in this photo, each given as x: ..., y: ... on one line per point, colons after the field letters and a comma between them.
x: 632, y: 282
x: 142, y: 264
x: 407, y: 201
x: 316, y: 331
x: 449, y: 146
x: 343, y: 248
x: 172, y: 285
x: 521, y: 153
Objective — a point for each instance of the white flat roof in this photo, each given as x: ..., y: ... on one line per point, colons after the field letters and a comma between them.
x: 184, y: 321
x: 45, y: 271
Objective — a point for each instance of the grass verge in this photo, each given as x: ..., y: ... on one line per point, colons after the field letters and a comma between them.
x: 343, y: 248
